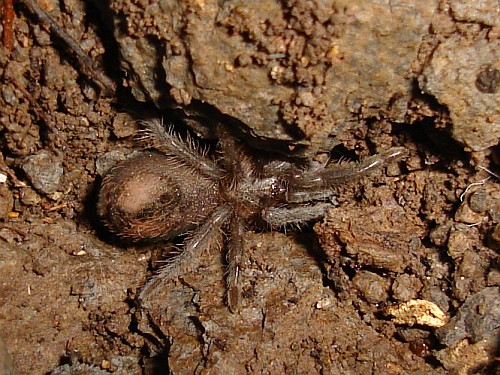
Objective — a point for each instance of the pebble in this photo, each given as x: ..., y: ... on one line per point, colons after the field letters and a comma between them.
x: 44, y: 170
x: 476, y: 319
x: 405, y: 287
x: 105, y: 162
x: 374, y: 288
x: 29, y: 197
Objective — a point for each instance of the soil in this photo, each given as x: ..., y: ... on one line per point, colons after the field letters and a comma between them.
x: 401, y: 276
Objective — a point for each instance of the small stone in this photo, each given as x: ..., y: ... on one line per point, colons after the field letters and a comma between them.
x: 393, y: 170
x: 493, y: 278
x: 9, y: 95
x: 105, y: 162
x: 476, y: 319
x: 436, y: 295
x: 29, y: 197
x: 123, y: 126
x: 458, y: 244
x: 439, y: 235
x: 181, y: 97
x: 488, y: 80
x: 464, y: 214
x: 478, y: 201
x: 322, y: 303
x: 406, y: 287
x: 42, y: 36
x: 306, y: 98
x: 44, y: 170
x: 373, y: 287
x: 410, y: 334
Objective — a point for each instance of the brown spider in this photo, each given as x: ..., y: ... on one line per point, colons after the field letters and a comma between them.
x: 174, y: 188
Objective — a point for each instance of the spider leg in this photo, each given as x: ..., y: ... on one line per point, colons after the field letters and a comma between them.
x: 234, y: 261
x: 205, y: 237
x: 239, y: 171
x: 280, y: 216
x: 318, y: 183
x: 156, y: 136
x: 236, y: 164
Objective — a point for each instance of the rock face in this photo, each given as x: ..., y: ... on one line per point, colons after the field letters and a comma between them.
x: 464, y: 75
x: 305, y: 72
x: 297, y: 71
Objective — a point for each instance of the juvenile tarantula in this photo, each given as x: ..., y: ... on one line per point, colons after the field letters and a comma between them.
x: 174, y: 188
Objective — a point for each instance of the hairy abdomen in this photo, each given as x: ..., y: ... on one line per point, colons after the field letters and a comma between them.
x: 153, y: 196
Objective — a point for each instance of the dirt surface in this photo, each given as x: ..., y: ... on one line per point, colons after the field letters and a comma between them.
x: 401, y: 277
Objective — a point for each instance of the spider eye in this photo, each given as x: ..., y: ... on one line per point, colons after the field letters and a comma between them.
x: 278, y: 189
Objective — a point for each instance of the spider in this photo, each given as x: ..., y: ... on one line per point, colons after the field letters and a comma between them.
x: 173, y: 187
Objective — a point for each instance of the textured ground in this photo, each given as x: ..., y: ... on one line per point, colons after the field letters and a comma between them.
x: 305, y: 78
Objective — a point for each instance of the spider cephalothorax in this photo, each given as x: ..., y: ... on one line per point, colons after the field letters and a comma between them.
x: 173, y: 188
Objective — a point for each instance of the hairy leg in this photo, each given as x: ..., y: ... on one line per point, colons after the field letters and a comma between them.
x: 234, y: 261
x: 235, y: 163
x: 207, y: 236
x: 279, y: 216
x: 239, y: 176
x: 318, y: 183
x: 156, y: 136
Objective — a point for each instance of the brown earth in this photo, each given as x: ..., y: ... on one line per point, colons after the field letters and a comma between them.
x: 306, y: 78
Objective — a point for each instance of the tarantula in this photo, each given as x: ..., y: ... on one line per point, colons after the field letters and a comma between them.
x: 172, y: 188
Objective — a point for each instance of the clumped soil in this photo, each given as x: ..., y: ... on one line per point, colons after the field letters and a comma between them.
x: 321, y: 299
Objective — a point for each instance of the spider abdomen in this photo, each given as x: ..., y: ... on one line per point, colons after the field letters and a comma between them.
x: 154, y: 196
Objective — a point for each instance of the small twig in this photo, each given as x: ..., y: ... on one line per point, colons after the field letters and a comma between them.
x: 85, y: 61
x: 14, y: 229
x: 57, y: 207
x: 7, y: 23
